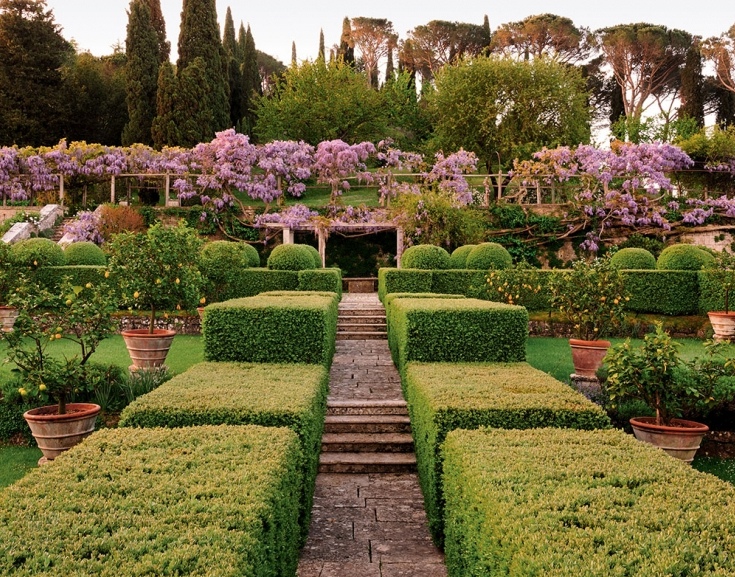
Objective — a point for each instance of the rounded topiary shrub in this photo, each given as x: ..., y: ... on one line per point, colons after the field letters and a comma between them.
x: 315, y: 255
x: 220, y: 258
x: 251, y: 254
x: 684, y: 257
x: 291, y: 257
x: 488, y: 255
x: 633, y: 259
x: 426, y: 257
x: 35, y: 252
x: 459, y: 256
x: 80, y: 253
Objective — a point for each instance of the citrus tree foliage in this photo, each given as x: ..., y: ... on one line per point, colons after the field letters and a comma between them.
x: 494, y: 106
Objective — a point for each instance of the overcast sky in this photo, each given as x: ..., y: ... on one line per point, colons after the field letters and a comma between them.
x: 97, y: 24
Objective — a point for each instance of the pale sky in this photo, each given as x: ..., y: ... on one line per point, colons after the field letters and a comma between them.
x: 97, y: 24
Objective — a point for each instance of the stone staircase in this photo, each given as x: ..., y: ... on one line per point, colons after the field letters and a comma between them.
x: 366, y: 322
x: 59, y: 230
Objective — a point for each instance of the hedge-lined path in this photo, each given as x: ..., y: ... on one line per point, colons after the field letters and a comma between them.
x: 367, y: 523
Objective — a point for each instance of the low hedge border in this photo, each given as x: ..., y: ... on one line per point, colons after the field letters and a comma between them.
x: 557, y: 502
x: 443, y: 397
x: 272, y: 329
x: 270, y: 395
x: 196, y: 501
x: 51, y: 276
x: 667, y: 292
x: 393, y: 280
x: 322, y: 279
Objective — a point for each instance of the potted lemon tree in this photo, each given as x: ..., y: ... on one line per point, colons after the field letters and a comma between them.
x: 722, y: 274
x: 156, y: 271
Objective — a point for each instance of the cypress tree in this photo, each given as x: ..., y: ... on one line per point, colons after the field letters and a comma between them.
x: 346, y: 45
x: 293, y: 53
x: 164, y: 46
x: 164, y: 130
x: 234, y: 61
x: 251, y: 84
x: 199, y: 38
x: 486, y: 31
x: 321, y: 55
x: 692, y: 86
x: 142, y: 51
x: 389, y: 67
x: 191, y: 115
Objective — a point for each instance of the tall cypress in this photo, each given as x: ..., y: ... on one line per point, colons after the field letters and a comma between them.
x: 142, y: 51
x: 346, y: 45
x: 692, y: 86
x: 251, y: 82
x: 199, y: 38
x: 293, y: 53
x: 193, y: 121
x: 389, y: 67
x: 487, y: 35
x: 234, y: 60
x: 164, y: 46
x: 321, y: 55
x: 164, y: 129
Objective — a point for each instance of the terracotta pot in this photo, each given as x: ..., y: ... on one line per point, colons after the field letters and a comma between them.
x: 7, y: 318
x: 148, y: 350
x: 723, y: 324
x: 680, y: 440
x: 56, y: 433
x: 200, y: 310
x: 587, y: 356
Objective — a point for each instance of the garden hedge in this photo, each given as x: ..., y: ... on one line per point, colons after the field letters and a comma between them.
x: 251, y: 254
x: 425, y: 257
x: 270, y: 395
x: 322, y: 279
x: 633, y: 259
x: 668, y: 292
x: 272, y: 329
x: 458, y: 258
x: 196, y: 501
x: 489, y: 255
x: 684, y: 257
x: 456, y: 330
x: 470, y: 283
x: 316, y: 257
x: 37, y: 252
x: 393, y: 280
x: 711, y: 294
x: 80, y: 275
x: 446, y: 396
x: 559, y: 503
x: 254, y: 281
x: 84, y: 253
x: 291, y: 257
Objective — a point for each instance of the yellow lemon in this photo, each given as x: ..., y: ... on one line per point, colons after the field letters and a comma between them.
x: 136, y: 294
x: 603, y: 299
x: 177, y: 281
x: 58, y: 336
x: 202, y: 300
x: 35, y: 263
x: 22, y: 392
x: 68, y: 302
x: 42, y: 387
x: 107, y: 274
x: 178, y: 307
x: 158, y: 281
x: 88, y: 285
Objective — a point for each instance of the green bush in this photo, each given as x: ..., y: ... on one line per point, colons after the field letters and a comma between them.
x: 323, y: 279
x: 316, y: 257
x: 272, y: 329
x: 254, y: 281
x: 37, y: 252
x: 445, y: 396
x: 221, y: 263
x: 668, y: 292
x: 557, y: 503
x: 50, y: 277
x: 684, y: 257
x: 425, y: 257
x: 251, y: 254
x: 633, y: 259
x: 291, y: 257
x: 244, y: 394
x: 196, y: 501
x: 458, y: 259
x: 470, y: 283
x: 84, y: 253
x: 12, y: 423
x: 488, y: 255
x: 393, y: 280
x: 711, y: 294
x: 456, y: 330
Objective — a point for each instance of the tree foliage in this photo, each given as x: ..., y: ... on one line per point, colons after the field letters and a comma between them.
x: 373, y: 37
x: 346, y: 43
x: 252, y: 86
x: 164, y: 130
x: 164, y: 46
x: 234, y: 68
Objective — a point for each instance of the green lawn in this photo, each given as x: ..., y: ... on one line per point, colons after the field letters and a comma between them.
x: 16, y: 462
x: 722, y: 468
x: 318, y: 197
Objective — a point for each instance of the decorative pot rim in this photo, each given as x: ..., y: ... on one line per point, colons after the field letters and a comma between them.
x: 728, y: 314
x: 8, y: 308
x: 688, y: 428
x: 42, y: 414
x: 600, y: 344
x: 143, y: 333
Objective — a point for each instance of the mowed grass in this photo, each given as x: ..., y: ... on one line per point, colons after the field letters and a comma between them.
x: 722, y: 468
x: 16, y: 462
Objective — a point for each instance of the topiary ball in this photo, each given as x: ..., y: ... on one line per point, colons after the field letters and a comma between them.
x: 291, y: 257
x: 315, y: 255
x: 489, y: 255
x: 84, y: 253
x: 459, y: 256
x: 684, y: 257
x: 36, y: 252
x: 633, y: 259
x: 425, y: 257
x: 251, y: 254
x: 221, y: 258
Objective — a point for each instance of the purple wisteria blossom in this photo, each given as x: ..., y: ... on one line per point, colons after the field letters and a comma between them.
x: 336, y: 160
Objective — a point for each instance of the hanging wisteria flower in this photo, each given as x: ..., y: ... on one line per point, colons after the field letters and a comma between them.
x: 336, y: 160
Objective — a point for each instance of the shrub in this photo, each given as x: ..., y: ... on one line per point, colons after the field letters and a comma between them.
x: 291, y: 257
x: 489, y: 255
x: 457, y: 330
x: 272, y: 329
x: 37, y: 252
x: 633, y: 259
x: 668, y: 292
x: 115, y: 219
x: 458, y: 260
x: 254, y: 281
x: 393, y: 280
x: 221, y: 263
x: 323, y: 279
x: 314, y: 255
x: 425, y: 257
x: 196, y: 501
x: 595, y: 503
x: 244, y: 394
x: 51, y: 277
x: 84, y: 253
x: 252, y: 255
x: 470, y: 283
x: 684, y: 257
x: 444, y: 397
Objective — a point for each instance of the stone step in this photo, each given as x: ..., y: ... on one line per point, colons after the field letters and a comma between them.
x: 361, y: 312
x: 367, y: 463
x: 362, y: 320
x: 361, y: 335
x: 366, y: 407
x: 360, y: 327
x: 367, y: 443
x: 367, y: 424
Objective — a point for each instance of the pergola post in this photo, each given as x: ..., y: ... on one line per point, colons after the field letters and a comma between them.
x: 112, y: 189
x: 322, y: 235
x: 61, y: 189
x: 399, y: 246
x: 288, y: 236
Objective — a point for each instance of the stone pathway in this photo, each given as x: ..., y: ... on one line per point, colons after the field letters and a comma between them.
x: 367, y: 523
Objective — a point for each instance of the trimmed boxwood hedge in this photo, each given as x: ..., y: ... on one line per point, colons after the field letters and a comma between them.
x: 470, y: 283
x: 633, y: 259
x: 292, y: 257
x: 253, y: 281
x: 668, y: 292
x: 270, y: 395
x: 560, y: 503
x: 684, y: 257
x: 80, y: 275
x: 37, y: 252
x: 458, y: 258
x: 272, y: 329
x: 489, y: 255
x: 84, y: 253
x: 443, y: 397
x: 456, y: 330
x: 393, y: 280
x: 711, y: 294
x: 322, y: 279
x: 425, y: 257
x: 196, y: 501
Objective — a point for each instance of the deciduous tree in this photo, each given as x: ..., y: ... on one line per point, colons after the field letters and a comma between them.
x: 372, y: 36
x: 721, y: 51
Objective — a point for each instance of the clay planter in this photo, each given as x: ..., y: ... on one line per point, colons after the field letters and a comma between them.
x: 7, y: 318
x: 723, y: 324
x: 200, y: 310
x: 148, y: 350
x: 680, y: 440
x: 56, y: 433
x: 587, y: 356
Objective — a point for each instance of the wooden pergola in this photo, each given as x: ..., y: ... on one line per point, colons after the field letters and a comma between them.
x: 323, y: 234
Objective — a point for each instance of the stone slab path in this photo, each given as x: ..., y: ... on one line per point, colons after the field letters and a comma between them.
x: 367, y: 524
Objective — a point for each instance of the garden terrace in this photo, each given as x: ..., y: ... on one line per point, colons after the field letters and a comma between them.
x: 195, y: 501
x: 557, y: 502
